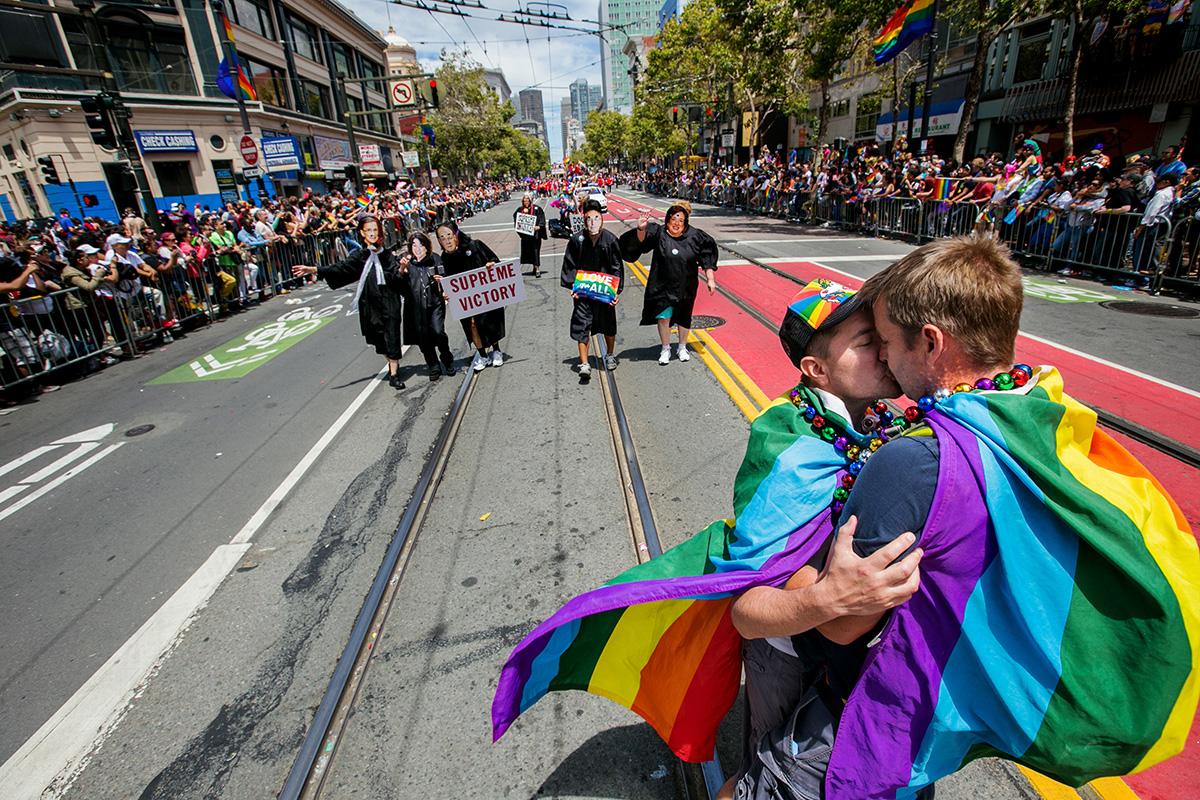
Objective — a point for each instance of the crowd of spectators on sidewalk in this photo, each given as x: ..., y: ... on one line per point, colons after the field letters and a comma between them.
x: 76, y: 295
x: 1066, y: 208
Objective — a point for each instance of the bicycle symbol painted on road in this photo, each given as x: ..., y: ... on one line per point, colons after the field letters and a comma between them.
x: 238, y: 357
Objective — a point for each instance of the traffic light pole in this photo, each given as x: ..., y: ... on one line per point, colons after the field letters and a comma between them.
x: 355, y: 156
x: 126, y: 144
x: 71, y: 183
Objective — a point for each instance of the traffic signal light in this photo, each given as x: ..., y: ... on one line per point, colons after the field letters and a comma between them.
x: 675, y: 115
x: 352, y: 174
x: 49, y: 171
x: 99, y: 121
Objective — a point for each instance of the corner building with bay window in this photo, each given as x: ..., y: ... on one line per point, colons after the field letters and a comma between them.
x: 164, y: 56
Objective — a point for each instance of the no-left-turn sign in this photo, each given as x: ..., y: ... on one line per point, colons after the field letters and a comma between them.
x: 403, y: 92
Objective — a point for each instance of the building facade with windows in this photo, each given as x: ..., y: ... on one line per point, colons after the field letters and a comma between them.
x: 533, y: 110
x: 164, y: 56
x: 637, y: 18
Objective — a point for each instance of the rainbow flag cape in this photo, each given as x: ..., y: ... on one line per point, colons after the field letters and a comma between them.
x: 1058, y: 619
x: 658, y: 638
x: 1057, y: 623
x: 910, y: 22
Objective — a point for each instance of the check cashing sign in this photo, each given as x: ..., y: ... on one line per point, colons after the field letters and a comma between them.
x: 484, y: 289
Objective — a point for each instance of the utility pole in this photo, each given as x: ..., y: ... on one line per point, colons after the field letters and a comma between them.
x: 355, y: 156
x: 231, y: 55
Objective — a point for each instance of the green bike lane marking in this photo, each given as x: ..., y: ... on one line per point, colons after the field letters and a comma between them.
x: 1062, y: 292
x: 243, y: 354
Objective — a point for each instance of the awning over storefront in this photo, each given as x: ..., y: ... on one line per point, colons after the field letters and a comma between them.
x: 945, y: 118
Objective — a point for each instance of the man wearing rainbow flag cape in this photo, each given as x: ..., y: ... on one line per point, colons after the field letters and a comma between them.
x: 1057, y: 622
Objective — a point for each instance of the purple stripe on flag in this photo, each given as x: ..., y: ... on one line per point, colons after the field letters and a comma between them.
x: 886, y: 717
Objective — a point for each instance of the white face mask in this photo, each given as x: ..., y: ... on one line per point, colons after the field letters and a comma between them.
x: 593, y: 223
x: 418, y: 250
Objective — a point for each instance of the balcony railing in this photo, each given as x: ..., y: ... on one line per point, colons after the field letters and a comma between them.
x: 1179, y: 82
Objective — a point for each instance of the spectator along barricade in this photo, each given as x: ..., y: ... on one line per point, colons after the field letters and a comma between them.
x: 74, y: 294
x: 1138, y: 225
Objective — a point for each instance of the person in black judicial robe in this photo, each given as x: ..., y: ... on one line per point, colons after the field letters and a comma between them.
x: 594, y: 250
x: 680, y: 253
x: 461, y: 253
x: 378, y: 294
x: 531, y: 246
x: 426, y: 307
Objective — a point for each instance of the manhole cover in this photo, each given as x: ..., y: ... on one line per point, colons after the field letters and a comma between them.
x: 139, y: 430
x: 1151, y: 309
x: 707, y: 322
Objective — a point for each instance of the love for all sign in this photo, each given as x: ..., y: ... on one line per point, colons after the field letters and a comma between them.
x: 484, y: 289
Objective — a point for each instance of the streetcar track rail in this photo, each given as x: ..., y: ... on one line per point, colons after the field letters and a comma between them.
x: 317, y: 752
x: 696, y: 781
x: 1153, y: 439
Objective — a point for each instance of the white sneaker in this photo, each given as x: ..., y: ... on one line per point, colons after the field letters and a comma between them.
x: 585, y: 370
x: 664, y: 356
x: 479, y: 363
x: 497, y: 358
x: 682, y: 352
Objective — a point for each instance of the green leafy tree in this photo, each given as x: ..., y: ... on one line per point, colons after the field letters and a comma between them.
x: 472, y: 130
x: 651, y: 135
x: 605, y: 138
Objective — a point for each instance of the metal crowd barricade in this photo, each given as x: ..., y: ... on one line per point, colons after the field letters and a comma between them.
x: 1181, y: 267
x: 43, y: 335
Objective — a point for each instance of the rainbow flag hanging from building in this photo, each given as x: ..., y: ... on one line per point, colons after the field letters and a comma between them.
x: 232, y: 78
x: 1063, y: 632
x: 910, y: 22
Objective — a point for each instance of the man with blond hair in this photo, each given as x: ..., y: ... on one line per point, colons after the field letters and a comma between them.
x: 1057, y: 619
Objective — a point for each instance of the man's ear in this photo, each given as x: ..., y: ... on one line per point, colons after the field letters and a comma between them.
x: 932, y: 342
x: 813, y: 368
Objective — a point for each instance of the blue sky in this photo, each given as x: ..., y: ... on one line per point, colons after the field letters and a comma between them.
x: 546, y: 64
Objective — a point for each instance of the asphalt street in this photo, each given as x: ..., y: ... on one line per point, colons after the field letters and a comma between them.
x: 178, y: 602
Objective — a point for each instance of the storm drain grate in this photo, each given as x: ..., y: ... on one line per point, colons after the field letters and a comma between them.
x: 1151, y: 309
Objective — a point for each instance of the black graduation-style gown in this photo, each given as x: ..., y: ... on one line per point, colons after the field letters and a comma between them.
x: 427, y: 309
x: 380, y: 307
x: 603, y: 255
x: 473, y: 254
x: 531, y: 246
x: 674, y: 269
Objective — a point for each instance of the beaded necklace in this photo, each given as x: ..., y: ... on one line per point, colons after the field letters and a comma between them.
x: 881, y: 424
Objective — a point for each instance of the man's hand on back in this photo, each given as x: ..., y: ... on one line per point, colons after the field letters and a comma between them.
x: 861, y: 587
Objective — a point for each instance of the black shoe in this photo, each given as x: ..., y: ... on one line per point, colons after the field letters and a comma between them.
x: 395, y: 382
x: 449, y: 369
x: 434, y: 373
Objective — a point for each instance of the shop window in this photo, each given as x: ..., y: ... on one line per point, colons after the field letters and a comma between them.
x: 144, y: 58
x: 174, y: 177
x: 1031, y: 58
x: 305, y: 39
x: 316, y: 100
x: 254, y: 15
x: 269, y: 83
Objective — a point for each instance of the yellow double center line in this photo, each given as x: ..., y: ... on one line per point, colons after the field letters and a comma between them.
x: 751, y: 400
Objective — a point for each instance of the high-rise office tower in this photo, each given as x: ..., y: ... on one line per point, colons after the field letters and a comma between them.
x: 640, y: 18
x: 533, y: 111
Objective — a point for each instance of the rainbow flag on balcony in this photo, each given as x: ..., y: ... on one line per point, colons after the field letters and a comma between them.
x: 910, y: 22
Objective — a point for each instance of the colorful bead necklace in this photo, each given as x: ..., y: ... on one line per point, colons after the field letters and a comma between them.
x: 881, y: 423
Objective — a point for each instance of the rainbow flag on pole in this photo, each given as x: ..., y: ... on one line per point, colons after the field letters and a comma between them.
x: 941, y: 189
x: 232, y: 78
x: 1057, y: 623
x: 910, y: 22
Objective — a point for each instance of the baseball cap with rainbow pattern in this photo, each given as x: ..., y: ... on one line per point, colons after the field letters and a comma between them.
x: 819, y: 306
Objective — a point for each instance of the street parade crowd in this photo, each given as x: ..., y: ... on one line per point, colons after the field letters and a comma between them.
x: 78, y: 294
x: 900, y: 580
x: 1134, y: 219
